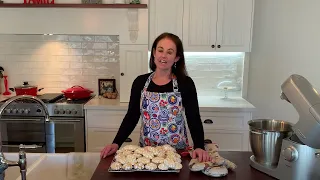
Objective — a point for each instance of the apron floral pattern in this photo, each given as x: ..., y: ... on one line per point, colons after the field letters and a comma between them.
x: 162, y: 118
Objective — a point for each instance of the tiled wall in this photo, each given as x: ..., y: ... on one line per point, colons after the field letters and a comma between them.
x: 208, y: 69
x: 57, y: 62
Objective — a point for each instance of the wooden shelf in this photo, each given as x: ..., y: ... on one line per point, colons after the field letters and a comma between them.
x: 16, y: 5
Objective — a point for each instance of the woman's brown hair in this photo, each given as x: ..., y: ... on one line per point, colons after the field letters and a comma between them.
x: 179, y: 69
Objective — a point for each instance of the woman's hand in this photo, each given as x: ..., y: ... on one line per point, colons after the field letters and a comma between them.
x: 109, y: 150
x: 202, y: 155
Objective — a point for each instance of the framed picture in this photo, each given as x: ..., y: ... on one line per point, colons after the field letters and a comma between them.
x: 106, y: 85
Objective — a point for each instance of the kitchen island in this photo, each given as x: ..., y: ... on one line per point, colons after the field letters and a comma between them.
x: 243, y: 172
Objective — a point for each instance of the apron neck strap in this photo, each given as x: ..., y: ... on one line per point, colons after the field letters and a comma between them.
x: 174, y: 82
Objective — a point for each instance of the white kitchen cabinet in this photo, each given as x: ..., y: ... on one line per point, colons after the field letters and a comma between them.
x: 200, y: 25
x: 102, y: 127
x: 217, y: 25
x: 98, y: 138
x: 133, y: 62
x: 204, y: 25
x: 234, y: 25
x: 228, y: 129
x: 165, y: 16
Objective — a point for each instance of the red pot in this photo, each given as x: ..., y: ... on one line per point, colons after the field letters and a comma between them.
x: 77, y: 92
x: 26, y: 89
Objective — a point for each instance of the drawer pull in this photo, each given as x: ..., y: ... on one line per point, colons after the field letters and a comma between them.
x: 208, y: 121
x: 207, y: 141
x: 128, y: 140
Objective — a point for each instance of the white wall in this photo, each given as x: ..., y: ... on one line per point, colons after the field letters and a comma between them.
x: 286, y: 40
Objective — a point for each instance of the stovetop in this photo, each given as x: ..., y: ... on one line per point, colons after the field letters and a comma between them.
x: 57, y: 105
x: 60, y: 98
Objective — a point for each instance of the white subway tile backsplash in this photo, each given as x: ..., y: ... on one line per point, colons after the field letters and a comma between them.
x: 88, y: 38
x: 101, y: 52
x: 209, y: 69
x: 69, y: 58
x: 75, y: 52
x: 94, y: 45
x: 76, y: 65
x: 75, y: 38
x: 57, y: 62
x: 100, y: 59
x: 88, y: 52
x: 87, y: 58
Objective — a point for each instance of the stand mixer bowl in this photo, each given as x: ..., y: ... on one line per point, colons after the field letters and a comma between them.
x: 266, y: 137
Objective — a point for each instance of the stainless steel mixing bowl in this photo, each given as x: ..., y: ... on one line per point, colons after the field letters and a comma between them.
x: 266, y: 139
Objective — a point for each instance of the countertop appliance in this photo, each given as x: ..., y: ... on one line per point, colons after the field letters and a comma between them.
x: 23, y: 123
x: 300, y: 153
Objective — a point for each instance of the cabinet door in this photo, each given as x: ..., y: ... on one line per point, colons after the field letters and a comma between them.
x: 133, y: 62
x: 165, y: 16
x: 228, y: 140
x: 200, y: 25
x: 96, y: 118
x: 98, y: 138
x: 234, y: 25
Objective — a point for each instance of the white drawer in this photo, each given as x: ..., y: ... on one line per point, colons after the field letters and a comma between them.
x: 227, y: 140
x: 225, y: 120
x: 98, y: 138
x: 104, y: 118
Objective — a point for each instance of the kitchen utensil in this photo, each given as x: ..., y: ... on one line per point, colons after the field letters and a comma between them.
x: 26, y: 89
x: 77, y: 92
x: 265, y: 138
x: 7, y: 92
x: 300, y: 151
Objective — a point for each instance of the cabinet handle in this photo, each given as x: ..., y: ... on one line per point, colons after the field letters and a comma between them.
x: 212, y: 46
x: 128, y: 140
x: 208, y: 121
x: 122, y: 74
x: 219, y: 46
x: 207, y: 141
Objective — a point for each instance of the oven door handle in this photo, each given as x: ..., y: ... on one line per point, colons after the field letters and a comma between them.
x: 55, y: 120
x: 33, y: 146
x: 1, y: 119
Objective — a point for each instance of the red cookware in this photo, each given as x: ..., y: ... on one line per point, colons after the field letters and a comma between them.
x: 77, y: 92
x: 187, y: 151
x: 26, y: 89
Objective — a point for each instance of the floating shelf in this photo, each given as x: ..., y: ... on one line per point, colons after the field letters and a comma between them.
x: 16, y: 5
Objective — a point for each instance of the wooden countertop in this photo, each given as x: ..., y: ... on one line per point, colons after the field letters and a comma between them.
x: 243, y: 172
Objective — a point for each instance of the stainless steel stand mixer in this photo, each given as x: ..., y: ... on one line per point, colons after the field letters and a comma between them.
x: 299, y: 157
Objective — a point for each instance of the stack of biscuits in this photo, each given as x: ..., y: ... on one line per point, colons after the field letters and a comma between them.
x: 135, y: 158
x: 217, y: 167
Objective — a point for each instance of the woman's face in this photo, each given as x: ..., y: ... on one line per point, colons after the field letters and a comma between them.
x: 165, y: 54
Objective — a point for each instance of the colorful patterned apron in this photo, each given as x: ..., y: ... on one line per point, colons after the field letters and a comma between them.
x: 162, y: 118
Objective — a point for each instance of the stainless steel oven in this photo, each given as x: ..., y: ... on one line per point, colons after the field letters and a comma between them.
x: 24, y: 122
x: 69, y: 134
x: 27, y: 131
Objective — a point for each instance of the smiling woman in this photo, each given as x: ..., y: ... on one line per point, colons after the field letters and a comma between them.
x: 161, y: 98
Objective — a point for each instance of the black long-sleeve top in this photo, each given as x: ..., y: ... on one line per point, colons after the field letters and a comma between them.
x: 189, y: 101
